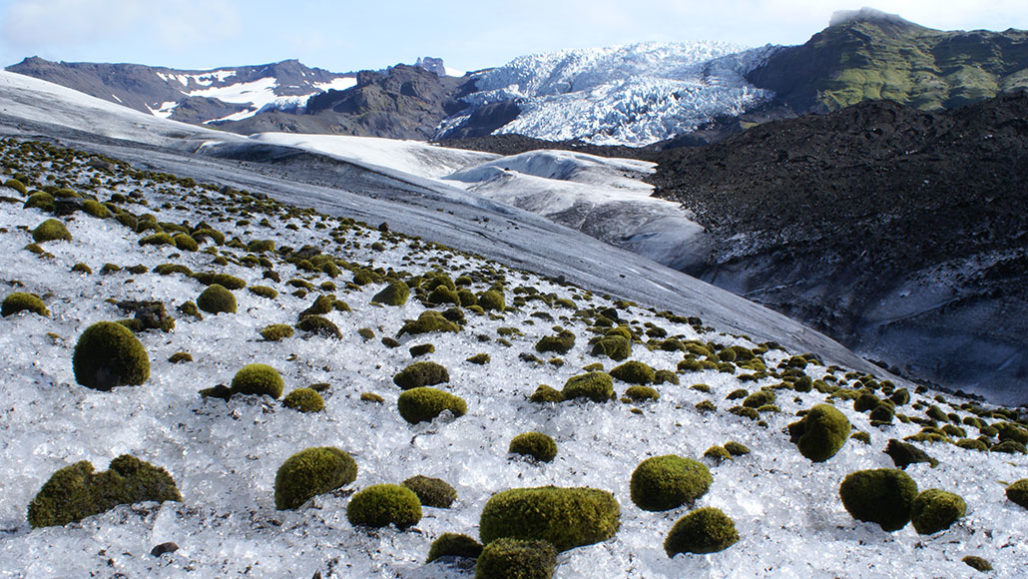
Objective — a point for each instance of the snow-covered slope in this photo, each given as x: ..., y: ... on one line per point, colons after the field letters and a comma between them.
x: 624, y: 95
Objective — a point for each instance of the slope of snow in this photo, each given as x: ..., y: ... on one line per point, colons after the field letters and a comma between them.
x: 632, y: 95
x: 224, y: 455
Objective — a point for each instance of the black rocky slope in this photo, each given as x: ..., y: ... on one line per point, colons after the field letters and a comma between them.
x: 901, y: 233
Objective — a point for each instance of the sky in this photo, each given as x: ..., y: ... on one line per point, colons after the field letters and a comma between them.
x: 347, y: 35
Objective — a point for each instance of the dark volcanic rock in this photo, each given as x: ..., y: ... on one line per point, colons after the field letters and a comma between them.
x: 901, y: 233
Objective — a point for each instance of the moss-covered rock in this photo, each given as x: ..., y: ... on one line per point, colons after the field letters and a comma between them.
x: 821, y: 433
x: 216, y: 299
x: 633, y: 372
x: 50, y: 230
x: 884, y: 496
x: 454, y: 545
x: 595, y: 386
x: 534, y: 444
x: 76, y: 492
x: 564, y: 517
x: 516, y: 559
x: 1018, y: 492
x: 312, y: 472
x: 276, y: 332
x: 382, y: 505
x: 259, y: 379
x: 428, y: 321
x: 23, y: 302
x: 432, y: 492
x: 560, y: 343
x: 706, y: 530
x: 935, y: 510
x: 424, y: 404
x: 107, y: 355
x: 304, y: 400
x: 661, y: 483
x: 420, y: 374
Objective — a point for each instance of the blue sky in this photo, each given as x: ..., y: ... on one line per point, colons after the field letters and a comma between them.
x: 351, y: 35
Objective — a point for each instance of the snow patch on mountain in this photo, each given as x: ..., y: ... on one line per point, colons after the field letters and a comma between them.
x: 633, y: 95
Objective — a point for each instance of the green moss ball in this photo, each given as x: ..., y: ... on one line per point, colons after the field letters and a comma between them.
x: 492, y: 300
x: 185, y: 242
x: 259, y: 379
x: 564, y: 517
x: 821, y: 433
x: 454, y: 545
x: 217, y: 299
x: 384, y: 504
x: 424, y: 404
x: 516, y: 559
x: 50, y: 230
x: 1018, y: 492
x: 534, y: 444
x: 304, y: 400
x: 312, y: 472
x: 421, y: 374
x: 935, y: 510
x: 108, y: 354
x: 23, y: 302
x: 595, y: 386
x: 706, y: 530
x: 977, y: 563
x: 429, y: 321
x: 432, y: 492
x: 641, y: 393
x: 276, y: 332
x: 634, y: 372
x: 884, y: 496
x: 615, y: 347
x: 665, y: 482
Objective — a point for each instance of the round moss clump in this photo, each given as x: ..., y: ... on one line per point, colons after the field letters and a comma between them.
x: 429, y: 321
x: 454, y: 545
x: 884, y: 496
x: 534, y: 444
x: 276, y: 332
x: 736, y: 448
x: 258, y: 379
x: 516, y: 559
x: 706, y: 530
x: 546, y: 393
x: 217, y: 299
x: 382, y: 505
x: 595, y: 386
x: 1018, y: 492
x: 312, y: 472
x: 50, y: 230
x: 634, y: 372
x: 432, y: 492
x: 76, y: 492
x: 23, y: 302
x: 304, y: 400
x: 564, y: 517
x: 492, y: 300
x: 821, y: 432
x: 664, y: 482
x: 560, y: 343
x: 616, y: 347
x: 977, y: 563
x: 760, y: 398
x: 641, y: 393
x: 107, y: 355
x: 421, y: 374
x: 935, y: 510
x: 424, y: 404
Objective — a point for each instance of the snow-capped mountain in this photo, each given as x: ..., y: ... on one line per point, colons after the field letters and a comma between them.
x: 632, y: 95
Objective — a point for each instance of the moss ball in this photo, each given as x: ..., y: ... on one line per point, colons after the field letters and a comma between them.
x: 706, y: 530
x: 428, y: 321
x: 421, y: 374
x: 50, y: 230
x: 185, y: 242
x: 107, y: 355
x: 564, y: 517
x: 320, y: 326
x: 935, y: 510
x: 661, y: 483
x: 23, y: 302
x: 263, y: 291
x: 382, y: 505
x: 595, y: 386
x: 821, y: 433
x: 157, y: 239
x: 560, y: 343
x: 641, y: 393
x: 534, y: 444
x: 276, y: 332
x: 717, y: 453
x: 736, y: 448
x: 453, y: 545
x: 977, y: 563
x: 41, y: 200
x: 76, y: 492
x: 546, y: 393
x: 1018, y: 492
x: 516, y: 559
x: 312, y: 472
x: 424, y: 404
x: 615, y: 347
x: 884, y: 496
x: 259, y: 379
x: 17, y: 186
x: 760, y: 398
x: 216, y: 299
x: 633, y: 372
x: 492, y: 300
x: 432, y: 492
x: 223, y: 279
x: 304, y: 400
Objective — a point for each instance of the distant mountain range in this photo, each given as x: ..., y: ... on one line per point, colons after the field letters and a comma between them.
x: 634, y: 95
